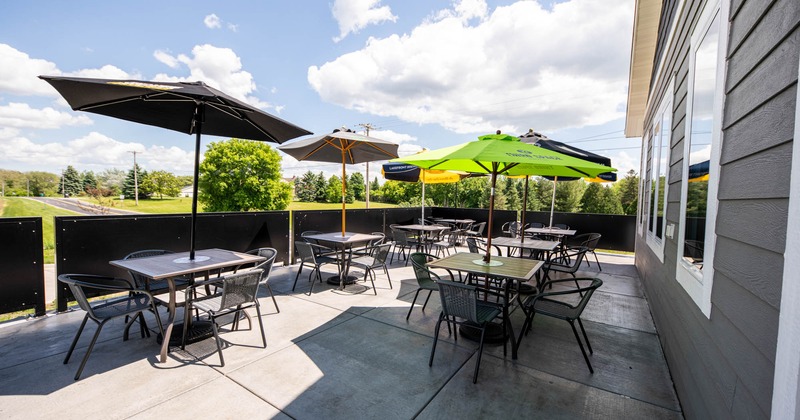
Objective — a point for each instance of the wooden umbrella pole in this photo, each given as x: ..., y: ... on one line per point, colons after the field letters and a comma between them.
x: 344, y: 187
x: 487, y: 259
x: 553, y: 202
x: 524, y: 209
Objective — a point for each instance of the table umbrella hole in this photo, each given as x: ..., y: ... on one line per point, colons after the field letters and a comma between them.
x: 187, y: 260
x: 492, y: 263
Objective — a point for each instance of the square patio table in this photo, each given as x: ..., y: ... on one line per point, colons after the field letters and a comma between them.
x: 343, y: 244
x: 551, y: 231
x: 424, y: 232
x: 518, y: 269
x: 170, y: 266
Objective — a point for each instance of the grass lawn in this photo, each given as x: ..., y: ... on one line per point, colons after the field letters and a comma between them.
x: 22, y: 207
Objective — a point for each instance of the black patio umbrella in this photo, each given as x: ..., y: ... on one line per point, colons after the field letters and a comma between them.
x: 188, y: 107
x: 557, y: 146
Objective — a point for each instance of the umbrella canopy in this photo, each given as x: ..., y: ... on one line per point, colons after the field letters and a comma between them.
x: 345, y: 146
x: 411, y: 173
x: 544, y: 142
x: 191, y: 108
x: 501, y: 154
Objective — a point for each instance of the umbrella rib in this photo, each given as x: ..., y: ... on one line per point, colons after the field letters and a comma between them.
x: 579, y: 171
x: 312, y: 152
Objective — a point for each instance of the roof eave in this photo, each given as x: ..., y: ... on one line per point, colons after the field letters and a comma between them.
x: 645, y: 37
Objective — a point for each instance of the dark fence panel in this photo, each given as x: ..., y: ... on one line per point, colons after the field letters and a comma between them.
x: 86, y: 244
x: 478, y: 215
x: 21, y: 265
x: 404, y: 216
x: 619, y: 231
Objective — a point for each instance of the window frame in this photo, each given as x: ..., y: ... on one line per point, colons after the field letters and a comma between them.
x: 657, y: 145
x: 698, y: 282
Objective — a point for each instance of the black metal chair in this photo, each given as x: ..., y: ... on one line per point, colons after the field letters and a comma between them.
x: 375, y: 258
x: 266, y: 267
x: 308, y: 255
x: 476, y: 230
x: 444, y: 241
x: 588, y: 240
x: 103, y: 311
x: 566, y: 262
x: 402, y: 241
x: 239, y: 292
x: 461, y: 306
x: 555, y: 304
x: 426, y: 279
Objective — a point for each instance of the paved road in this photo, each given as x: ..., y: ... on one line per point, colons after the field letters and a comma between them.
x: 80, y: 207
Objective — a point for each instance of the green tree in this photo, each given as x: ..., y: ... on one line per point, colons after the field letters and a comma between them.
x: 42, y: 183
x: 356, y: 184
x: 306, y: 187
x: 627, y: 190
x: 112, y: 180
x: 242, y: 175
x: 129, y: 184
x: 333, y: 190
x: 71, y: 183
x: 321, y: 189
x: 88, y: 180
x: 600, y: 200
x: 162, y: 183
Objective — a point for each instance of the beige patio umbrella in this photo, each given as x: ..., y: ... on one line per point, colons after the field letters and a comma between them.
x: 345, y: 146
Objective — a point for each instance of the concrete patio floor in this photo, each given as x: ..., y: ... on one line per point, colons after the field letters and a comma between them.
x: 349, y: 354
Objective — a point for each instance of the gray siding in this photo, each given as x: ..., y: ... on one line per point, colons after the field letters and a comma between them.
x: 723, y: 367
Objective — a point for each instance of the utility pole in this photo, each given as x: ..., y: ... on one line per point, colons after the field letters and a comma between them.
x: 135, y: 178
x: 63, y: 192
x: 28, y: 181
x: 367, y: 127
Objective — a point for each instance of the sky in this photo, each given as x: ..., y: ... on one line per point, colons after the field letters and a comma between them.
x: 424, y: 74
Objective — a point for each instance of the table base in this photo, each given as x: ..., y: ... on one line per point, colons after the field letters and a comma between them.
x: 336, y: 280
x: 199, y: 331
x: 493, y: 335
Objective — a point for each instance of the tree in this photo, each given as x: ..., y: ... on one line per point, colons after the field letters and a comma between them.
x: 627, y: 190
x: 129, y: 184
x: 112, y: 180
x: 162, y: 183
x: 600, y: 200
x: 88, y: 180
x: 71, y: 183
x: 42, y: 183
x: 333, y: 190
x: 306, y: 187
x: 242, y: 175
x: 321, y: 189
x: 356, y: 183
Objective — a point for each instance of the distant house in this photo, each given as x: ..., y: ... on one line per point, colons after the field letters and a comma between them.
x: 186, y: 191
x: 713, y: 95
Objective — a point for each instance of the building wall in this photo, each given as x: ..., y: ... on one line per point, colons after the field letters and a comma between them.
x: 723, y: 366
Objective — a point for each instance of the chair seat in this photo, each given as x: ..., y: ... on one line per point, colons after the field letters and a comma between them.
x: 556, y: 309
x: 487, y: 312
x: 208, y: 304
x: 365, y: 260
x: 122, y: 306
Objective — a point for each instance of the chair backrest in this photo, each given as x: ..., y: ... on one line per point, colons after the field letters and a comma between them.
x: 424, y: 276
x: 472, y: 244
x: 376, y: 242
x: 561, y: 226
x: 380, y: 253
x: 307, y: 233
x: 535, y: 225
x: 139, y: 280
x: 240, y: 288
x: 587, y: 293
x: 79, y: 282
x: 591, y: 241
x: 574, y: 256
x: 400, y: 236
x: 514, y: 228
x: 266, y: 266
x: 305, y: 250
x: 459, y: 300
x: 478, y: 228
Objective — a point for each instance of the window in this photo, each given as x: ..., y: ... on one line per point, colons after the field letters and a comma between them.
x: 701, y: 157
x: 656, y: 188
x: 642, y: 190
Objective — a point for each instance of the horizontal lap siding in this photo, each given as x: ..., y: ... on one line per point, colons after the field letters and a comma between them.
x: 723, y: 367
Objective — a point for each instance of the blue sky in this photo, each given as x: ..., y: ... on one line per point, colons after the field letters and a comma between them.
x: 424, y: 73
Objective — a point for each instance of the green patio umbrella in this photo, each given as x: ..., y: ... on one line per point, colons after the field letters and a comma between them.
x: 501, y: 154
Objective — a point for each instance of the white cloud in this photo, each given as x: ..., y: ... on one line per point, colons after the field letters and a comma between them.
x: 233, y: 28
x: 354, y: 15
x: 18, y: 74
x: 517, y: 67
x: 166, y: 58
x: 212, y: 21
x: 21, y: 115
x: 106, y: 72
x: 94, y: 151
x: 217, y: 67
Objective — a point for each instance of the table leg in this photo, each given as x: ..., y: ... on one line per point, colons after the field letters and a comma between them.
x: 171, y: 308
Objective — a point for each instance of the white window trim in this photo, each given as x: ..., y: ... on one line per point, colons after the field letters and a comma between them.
x: 786, y: 383
x: 655, y: 243
x: 640, y: 211
x: 698, y: 283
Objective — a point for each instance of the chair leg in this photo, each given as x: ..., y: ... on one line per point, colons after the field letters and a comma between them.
x: 297, y: 276
x: 409, y: 309
x: 75, y: 340
x: 261, y: 325
x: 480, y: 353
x: 272, y: 295
x: 585, y: 337
x: 89, y: 349
x: 595, y: 258
x: 426, y: 299
x: 585, y: 356
x: 436, y: 337
x: 386, y: 270
x: 218, y: 341
x: 371, y: 279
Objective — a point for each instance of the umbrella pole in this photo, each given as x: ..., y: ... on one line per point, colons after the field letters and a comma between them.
x: 423, y: 201
x: 524, y: 209
x: 488, y: 256
x: 553, y: 201
x: 198, y: 121
x: 344, y: 188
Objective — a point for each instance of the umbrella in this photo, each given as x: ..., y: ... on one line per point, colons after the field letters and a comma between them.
x: 699, y: 171
x: 543, y: 141
x: 191, y: 108
x: 345, y: 146
x: 501, y: 154
x: 410, y: 173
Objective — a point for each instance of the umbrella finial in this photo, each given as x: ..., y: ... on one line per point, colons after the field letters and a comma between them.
x: 498, y: 132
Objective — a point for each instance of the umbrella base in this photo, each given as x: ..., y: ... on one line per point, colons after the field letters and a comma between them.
x: 493, y: 335
x: 336, y: 280
x: 198, y: 331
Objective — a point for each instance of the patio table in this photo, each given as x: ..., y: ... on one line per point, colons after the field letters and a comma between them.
x: 424, y: 232
x: 344, y: 244
x: 529, y: 244
x: 170, y: 266
x: 517, y: 269
x: 551, y: 231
